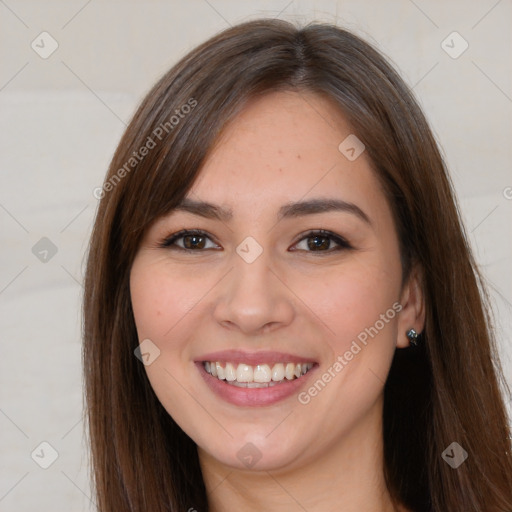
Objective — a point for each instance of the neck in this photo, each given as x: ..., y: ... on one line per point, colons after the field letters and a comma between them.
x: 346, y: 476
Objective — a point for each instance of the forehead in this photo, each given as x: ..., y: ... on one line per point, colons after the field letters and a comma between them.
x: 283, y: 147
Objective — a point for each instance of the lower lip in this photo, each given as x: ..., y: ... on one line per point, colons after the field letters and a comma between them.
x: 253, y: 396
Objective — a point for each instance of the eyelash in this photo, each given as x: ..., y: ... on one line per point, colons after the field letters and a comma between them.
x: 169, y: 242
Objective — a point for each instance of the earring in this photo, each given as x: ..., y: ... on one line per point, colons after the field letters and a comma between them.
x: 413, y: 337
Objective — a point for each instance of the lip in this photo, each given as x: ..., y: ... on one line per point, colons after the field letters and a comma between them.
x: 253, y: 358
x: 254, y: 397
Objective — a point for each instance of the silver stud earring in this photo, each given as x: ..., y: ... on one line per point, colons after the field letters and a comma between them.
x: 413, y: 337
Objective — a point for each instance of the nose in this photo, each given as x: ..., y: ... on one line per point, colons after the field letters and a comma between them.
x: 253, y: 298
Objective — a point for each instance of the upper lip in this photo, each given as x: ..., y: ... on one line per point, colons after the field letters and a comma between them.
x: 253, y: 358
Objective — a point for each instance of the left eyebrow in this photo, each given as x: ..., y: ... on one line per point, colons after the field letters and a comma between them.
x: 314, y: 206
x: 288, y: 210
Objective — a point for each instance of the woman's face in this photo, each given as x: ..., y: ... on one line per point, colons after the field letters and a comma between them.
x: 257, y: 294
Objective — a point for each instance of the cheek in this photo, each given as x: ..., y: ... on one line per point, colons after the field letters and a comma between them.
x: 160, y: 304
x: 159, y: 301
x: 358, y: 305
x: 166, y: 303
x: 352, y: 298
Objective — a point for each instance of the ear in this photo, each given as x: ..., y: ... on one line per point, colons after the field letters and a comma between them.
x: 412, y: 315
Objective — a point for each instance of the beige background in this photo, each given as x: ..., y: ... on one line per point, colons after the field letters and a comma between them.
x: 62, y: 117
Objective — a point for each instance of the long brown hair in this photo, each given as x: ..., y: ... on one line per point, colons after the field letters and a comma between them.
x: 444, y: 391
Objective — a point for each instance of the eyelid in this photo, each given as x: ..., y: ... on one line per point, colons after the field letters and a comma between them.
x: 168, y: 242
x: 338, y: 239
x: 341, y: 242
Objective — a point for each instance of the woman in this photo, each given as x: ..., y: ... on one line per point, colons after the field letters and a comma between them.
x: 282, y: 311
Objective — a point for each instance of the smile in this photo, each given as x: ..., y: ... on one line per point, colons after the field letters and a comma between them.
x: 256, y: 376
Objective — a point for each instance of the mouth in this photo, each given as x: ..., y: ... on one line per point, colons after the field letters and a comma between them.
x: 255, y: 379
x: 263, y: 375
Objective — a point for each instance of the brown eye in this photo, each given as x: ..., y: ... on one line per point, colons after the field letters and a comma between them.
x: 316, y: 241
x: 192, y: 240
x: 321, y: 242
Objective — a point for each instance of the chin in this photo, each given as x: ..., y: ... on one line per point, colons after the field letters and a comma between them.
x: 256, y: 451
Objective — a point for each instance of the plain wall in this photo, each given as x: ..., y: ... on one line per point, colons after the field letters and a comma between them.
x: 61, y: 118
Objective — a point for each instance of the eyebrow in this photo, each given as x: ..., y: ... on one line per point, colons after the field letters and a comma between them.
x: 288, y: 210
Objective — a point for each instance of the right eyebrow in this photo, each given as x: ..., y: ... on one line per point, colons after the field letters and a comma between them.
x: 204, y: 209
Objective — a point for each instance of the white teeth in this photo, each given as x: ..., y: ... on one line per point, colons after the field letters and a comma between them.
x: 278, y: 372
x: 244, y: 373
x: 220, y: 371
x: 261, y: 375
x: 253, y: 384
x: 229, y: 372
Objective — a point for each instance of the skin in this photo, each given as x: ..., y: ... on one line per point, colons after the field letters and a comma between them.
x: 327, y: 454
